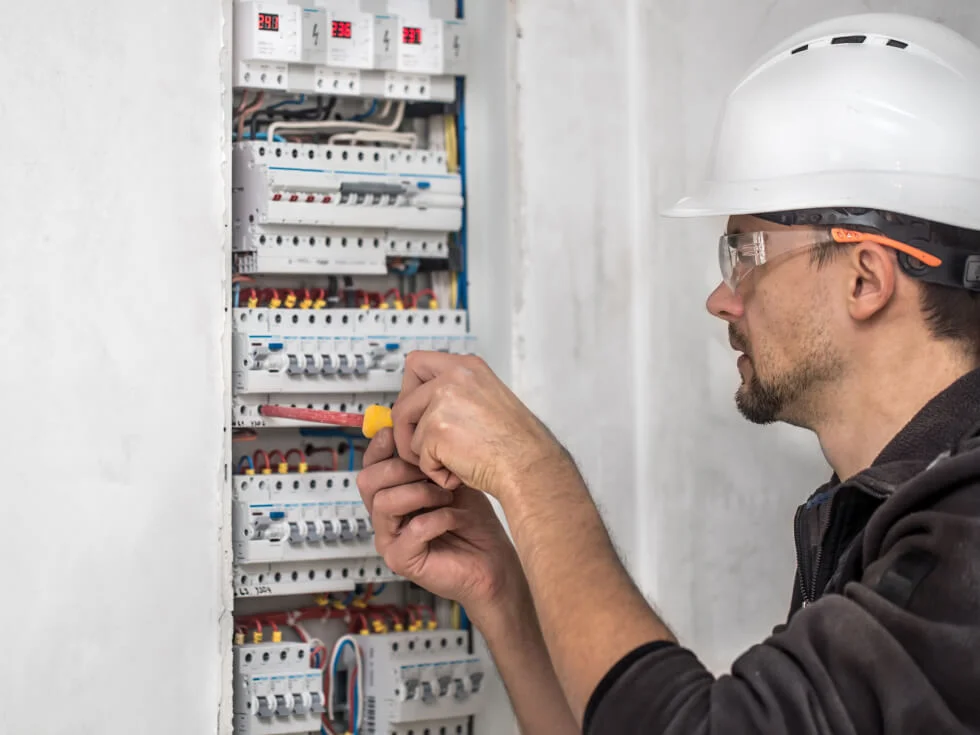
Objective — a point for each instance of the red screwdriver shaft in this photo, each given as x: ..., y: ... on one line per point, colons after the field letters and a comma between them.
x: 333, y: 418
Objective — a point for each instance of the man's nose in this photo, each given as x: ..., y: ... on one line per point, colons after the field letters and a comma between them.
x: 725, y: 303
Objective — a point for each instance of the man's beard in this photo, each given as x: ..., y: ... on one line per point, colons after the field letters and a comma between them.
x: 785, y: 397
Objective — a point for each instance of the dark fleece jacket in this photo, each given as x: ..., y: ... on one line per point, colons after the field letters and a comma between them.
x: 884, y: 630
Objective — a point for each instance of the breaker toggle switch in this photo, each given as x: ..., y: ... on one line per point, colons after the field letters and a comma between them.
x: 265, y: 707
x: 267, y: 531
x: 296, y: 534
x: 444, y: 682
x: 331, y: 364
x: 392, y: 363
x: 346, y: 531
x: 361, y: 366
x: 297, y: 366
x: 329, y: 532
x: 274, y: 363
x: 475, y: 681
x: 345, y: 364
x: 300, y: 704
x: 428, y: 694
x: 283, y: 706
x: 316, y: 703
x: 459, y: 690
x: 314, y: 531
x: 411, y: 689
x: 314, y: 364
x: 364, y: 529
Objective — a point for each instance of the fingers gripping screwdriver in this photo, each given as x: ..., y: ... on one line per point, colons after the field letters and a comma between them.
x: 373, y: 420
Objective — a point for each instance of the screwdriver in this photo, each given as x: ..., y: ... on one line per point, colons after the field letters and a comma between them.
x: 373, y: 420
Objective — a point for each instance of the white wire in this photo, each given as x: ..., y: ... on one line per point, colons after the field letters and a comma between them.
x: 408, y: 140
x: 339, y: 124
x: 360, y: 678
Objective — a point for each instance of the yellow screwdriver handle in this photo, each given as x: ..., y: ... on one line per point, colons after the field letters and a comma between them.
x: 376, y: 418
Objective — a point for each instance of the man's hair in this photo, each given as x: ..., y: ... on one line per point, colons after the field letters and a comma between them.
x: 951, y: 313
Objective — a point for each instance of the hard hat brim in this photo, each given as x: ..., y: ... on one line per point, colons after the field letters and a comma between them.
x: 933, y: 198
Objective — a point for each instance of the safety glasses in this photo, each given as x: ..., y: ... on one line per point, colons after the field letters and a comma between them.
x: 738, y: 254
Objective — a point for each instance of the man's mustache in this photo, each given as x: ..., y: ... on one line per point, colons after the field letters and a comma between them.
x: 738, y: 343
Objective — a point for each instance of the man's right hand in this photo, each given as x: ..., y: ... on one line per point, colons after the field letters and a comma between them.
x: 449, y: 542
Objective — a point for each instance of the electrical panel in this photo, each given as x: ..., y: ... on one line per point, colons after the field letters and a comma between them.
x: 421, y: 680
x: 348, y: 253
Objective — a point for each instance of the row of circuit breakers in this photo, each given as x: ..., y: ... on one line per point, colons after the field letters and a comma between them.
x: 317, y: 226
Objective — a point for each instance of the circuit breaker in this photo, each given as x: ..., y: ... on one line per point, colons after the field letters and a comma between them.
x: 276, y: 692
x: 425, y: 680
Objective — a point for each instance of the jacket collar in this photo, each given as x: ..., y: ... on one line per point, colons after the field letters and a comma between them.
x: 939, y: 424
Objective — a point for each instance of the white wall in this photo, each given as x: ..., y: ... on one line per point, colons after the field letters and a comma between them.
x: 605, y: 333
x: 113, y: 202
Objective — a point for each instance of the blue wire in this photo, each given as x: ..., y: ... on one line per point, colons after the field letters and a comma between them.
x: 324, y: 434
x: 379, y: 590
x: 464, y: 619
x: 462, y: 285
x: 260, y: 136
x: 236, y: 292
x: 371, y: 110
x: 298, y: 101
x: 353, y: 457
x: 246, y: 458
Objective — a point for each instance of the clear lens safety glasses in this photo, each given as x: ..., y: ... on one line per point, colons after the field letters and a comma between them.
x: 739, y: 254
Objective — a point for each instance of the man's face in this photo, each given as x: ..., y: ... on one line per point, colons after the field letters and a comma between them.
x: 781, y: 318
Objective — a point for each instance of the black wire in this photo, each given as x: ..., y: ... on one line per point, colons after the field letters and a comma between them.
x: 320, y: 112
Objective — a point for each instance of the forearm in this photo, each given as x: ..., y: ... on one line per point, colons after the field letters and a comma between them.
x: 514, y: 636
x: 591, y: 613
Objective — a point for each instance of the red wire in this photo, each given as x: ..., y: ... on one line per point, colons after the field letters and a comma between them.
x: 272, y: 454
x: 302, y: 457
x: 425, y: 292
x: 264, y: 456
x: 333, y: 454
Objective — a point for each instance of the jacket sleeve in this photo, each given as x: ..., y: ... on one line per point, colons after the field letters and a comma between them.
x: 895, y: 653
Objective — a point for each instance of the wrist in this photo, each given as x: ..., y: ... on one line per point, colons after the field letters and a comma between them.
x: 508, y: 606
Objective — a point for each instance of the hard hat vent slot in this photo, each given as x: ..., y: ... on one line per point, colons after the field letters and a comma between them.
x: 897, y: 44
x: 801, y: 49
x: 848, y: 39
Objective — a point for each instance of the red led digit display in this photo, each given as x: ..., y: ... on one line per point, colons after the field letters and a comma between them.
x: 411, y: 35
x: 340, y: 29
x: 268, y: 22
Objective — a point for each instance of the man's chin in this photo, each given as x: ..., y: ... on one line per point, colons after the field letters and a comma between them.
x: 755, y: 404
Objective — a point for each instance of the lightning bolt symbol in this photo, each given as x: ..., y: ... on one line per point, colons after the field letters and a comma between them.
x: 316, y: 34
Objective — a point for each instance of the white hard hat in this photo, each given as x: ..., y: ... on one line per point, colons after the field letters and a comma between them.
x: 876, y: 111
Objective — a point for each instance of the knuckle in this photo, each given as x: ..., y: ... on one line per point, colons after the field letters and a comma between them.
x: 475, y: 363
x: 394, y: 561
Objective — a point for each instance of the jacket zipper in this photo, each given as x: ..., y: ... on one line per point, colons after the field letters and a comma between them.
x: 809, y: 576
x: 801, y: 558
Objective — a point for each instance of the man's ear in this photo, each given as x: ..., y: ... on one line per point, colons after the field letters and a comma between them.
x: 871, y: 280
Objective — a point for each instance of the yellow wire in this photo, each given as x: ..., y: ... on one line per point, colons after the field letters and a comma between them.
x: 452, y: 144
x: 452, y: 161
x: 455, y: 618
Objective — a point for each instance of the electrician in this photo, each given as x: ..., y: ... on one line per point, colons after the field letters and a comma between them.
x: 848, y: 161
